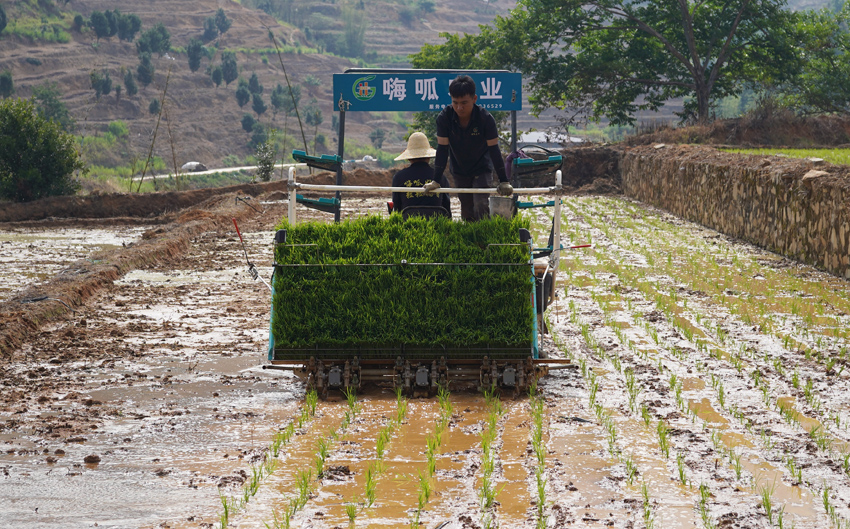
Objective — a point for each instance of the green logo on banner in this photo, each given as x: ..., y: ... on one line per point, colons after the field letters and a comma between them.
x: 362, y: 90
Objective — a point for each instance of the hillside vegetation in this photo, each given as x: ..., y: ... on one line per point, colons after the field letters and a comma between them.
x: 43, y: 48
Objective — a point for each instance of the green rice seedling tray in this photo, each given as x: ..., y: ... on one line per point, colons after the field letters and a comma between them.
x: 328, y: 162
x: 376, y: 286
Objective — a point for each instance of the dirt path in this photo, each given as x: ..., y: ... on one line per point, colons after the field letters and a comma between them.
x: 708, y: 389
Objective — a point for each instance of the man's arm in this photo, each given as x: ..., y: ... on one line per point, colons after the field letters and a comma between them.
x: 496, y: 157
x: 442, y: 158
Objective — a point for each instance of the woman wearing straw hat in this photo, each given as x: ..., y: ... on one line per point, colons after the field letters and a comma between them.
x: 416, y: 175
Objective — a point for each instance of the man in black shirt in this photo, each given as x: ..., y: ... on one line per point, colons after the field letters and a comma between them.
x: 417, y: 174
x: 466, y: 133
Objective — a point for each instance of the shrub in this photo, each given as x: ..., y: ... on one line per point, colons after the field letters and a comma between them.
x: 118, y: 129
x: 130, y: 83
x: 37, y: 158
x: 465, y: 308
x: 210, y: 29
x: 155, y: 40
x: 7, y: 85
x: 33, y: 61
x: 248, y: 123
x: 46, y: 98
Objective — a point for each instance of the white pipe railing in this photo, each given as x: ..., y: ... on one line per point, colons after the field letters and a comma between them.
x: 293, y: 186
x: 290, y: 189
x: 458, y: 190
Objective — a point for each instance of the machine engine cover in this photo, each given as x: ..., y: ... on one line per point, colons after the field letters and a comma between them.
x: 509, y: 377
x: 335, y: 377
x: 422, y: 376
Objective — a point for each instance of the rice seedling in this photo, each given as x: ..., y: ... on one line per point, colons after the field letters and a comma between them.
x: 634, y: 389
x: 648, y: 518
x: 705, y: 515
x: 680, y: 464
x: 424, y: 490
x: 765, y: 491
x: 735, y: 459
x: 645, y: 415
x: 821, y: 437
x: 351, y: 512
x: 631, y: 470
x: 663, y: 439
x: 370, y: 485
x: 793, y: 469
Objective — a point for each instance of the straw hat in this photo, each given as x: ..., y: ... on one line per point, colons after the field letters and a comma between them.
x: 417, y: 147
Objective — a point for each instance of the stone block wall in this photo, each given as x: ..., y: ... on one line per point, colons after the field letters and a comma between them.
x: 797, y: 208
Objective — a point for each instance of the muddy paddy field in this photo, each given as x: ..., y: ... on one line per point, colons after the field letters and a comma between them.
x: 708, y: 387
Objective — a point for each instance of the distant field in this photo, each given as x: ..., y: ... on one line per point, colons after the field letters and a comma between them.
x: 837, y: 156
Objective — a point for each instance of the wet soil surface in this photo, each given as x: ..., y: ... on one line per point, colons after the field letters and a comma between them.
x: 707, y: 389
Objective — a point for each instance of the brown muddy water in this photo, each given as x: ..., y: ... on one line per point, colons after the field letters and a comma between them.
x: 30, y: 256
x: 159, y: 377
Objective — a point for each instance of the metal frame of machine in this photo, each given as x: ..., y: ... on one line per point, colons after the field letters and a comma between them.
x: 419, y: 372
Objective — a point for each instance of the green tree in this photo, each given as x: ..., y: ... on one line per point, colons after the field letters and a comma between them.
x: 7, y: 85
x: 99, y: 24
x: 216, y: 76
x: 112, y: 21
x: 259, y: 135
x: 100, y: 83
x: 243, y: 95
x: 130, y: 83
x: 613, y: 58
x: 258, y: 105
x: 222, y: 23
x: 254, y: 85
x: 155, y: 106
x: 50, y: 107
x: 377, y: 137
x: 210, y: 29
x: 278, y: 98
x: 354, y: 31
x: 146, y: 70
x: 128, y: 26
x: 195, y: 51
x: 3, y: 20
x: 229, y: 69
x: 266, y: 157
x: 824, y: 83
x: 37, y: 158
x: 313, y: 116
x: 248, y: 123
x: 79, y: 21
x: 155, y: 40
x: 117, y: 89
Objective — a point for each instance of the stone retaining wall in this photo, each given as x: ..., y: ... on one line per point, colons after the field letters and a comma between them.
x: 797, y: 208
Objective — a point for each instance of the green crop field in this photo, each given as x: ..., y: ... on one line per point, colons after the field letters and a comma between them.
x: 481, y: 299
x: 836, y: 156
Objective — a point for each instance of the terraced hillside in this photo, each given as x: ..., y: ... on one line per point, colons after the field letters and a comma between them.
x: 203, y: 122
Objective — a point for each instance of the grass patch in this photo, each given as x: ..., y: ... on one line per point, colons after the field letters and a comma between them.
x: 346, y: 305
x: 836, y: 156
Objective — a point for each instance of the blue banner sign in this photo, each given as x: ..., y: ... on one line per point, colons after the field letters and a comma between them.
x: 412, y: 90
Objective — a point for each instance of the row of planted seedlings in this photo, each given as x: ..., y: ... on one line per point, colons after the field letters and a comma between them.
x: 736, y: 361
x: 633, y: 389
x: 537, y: 408
x: 489, y: 452
x: 764, y: 489
x: 433, y: 442
x: 233, y: 504
x: 776, y: 365
x: 779, y: 302
x: 308, y: 479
